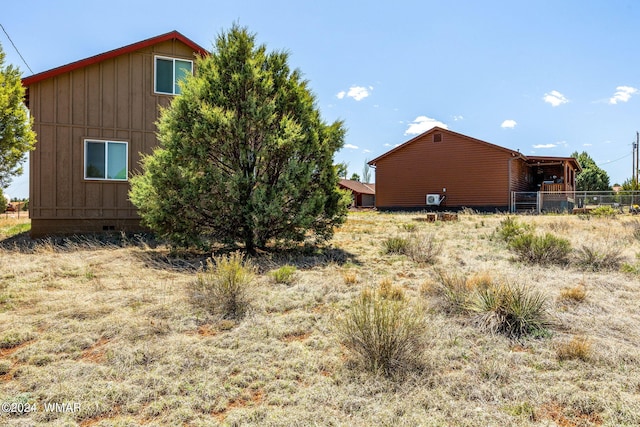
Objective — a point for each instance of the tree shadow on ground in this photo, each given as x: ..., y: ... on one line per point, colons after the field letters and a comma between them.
x: 156, y: 253
x: 303, y: 258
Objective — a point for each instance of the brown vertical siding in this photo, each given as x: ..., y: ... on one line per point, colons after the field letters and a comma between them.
x: 112, y: 99
x: 474, y: 173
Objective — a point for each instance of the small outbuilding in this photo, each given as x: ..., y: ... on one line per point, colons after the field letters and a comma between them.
x: 363, y: 194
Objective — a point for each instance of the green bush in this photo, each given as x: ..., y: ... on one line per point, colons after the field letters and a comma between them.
x: 511, y: 310
x: 596, y: 259
x: 604, y: 210
x: 284, y: 274
x: 224, y: 287
x: 383, y: 331
x: 510, y: 228
x: 395, y: 245
x: 409, y: 227
x: 545, y: 249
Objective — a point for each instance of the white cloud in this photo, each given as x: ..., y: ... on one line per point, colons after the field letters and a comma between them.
x: 623, y: 93
x: 587, y: 145
x: 366, y: 151
x: 456, y: 118
x: 356, y: 92
x: 351, y: 146
x: 387, y: 145
x: 508, y: 124
x: 555, y: 98
x: 422, y: 124
x: 544, y: 146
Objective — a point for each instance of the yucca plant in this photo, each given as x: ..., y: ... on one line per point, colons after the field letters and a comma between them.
x: 511, y: 310
x: 384, y: 331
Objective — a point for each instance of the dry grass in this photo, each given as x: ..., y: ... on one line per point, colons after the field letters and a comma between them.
x: 576, y: 293
x: 577, y: 348
x: 112, y: 327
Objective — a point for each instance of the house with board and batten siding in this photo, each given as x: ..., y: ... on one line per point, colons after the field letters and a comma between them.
x: 93, y: 119
x: 441, y: 169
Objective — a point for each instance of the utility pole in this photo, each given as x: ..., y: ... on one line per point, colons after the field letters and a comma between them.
x: 634, y: 181
x: 637, y: 146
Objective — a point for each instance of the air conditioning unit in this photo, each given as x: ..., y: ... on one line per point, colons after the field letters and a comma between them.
x: 433, y: 199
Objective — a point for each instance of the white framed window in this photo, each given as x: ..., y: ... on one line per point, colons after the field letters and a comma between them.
x: 106, y: 160
x: 168, y: 72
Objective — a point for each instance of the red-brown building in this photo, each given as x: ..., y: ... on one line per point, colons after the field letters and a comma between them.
x: 93, y: 118
x: 363, y: 194
x: 441, y: 169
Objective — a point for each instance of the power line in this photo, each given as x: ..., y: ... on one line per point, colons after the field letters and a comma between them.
x: 14, y: 46
x: 611, y: 161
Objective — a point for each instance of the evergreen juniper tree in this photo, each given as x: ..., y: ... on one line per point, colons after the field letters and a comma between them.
x: 244, y: 155
x: 592, y: 177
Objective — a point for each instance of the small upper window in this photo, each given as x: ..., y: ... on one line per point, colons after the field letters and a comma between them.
x: 168, y: 72
x: 437, y: 137
x: 105, y: 160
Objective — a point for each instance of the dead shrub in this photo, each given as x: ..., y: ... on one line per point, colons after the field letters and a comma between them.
x: 423, y: 248
x: 599, y: 257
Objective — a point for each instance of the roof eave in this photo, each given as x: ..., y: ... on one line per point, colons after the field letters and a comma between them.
x: 173, y: 35
x: 437, y: 128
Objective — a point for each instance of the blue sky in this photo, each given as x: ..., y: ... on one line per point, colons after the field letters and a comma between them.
x: 545, y: 77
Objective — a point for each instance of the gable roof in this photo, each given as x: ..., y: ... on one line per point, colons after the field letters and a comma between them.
x: 173, y: 35
x: 531, y: 160
x: 358, y: 186
x: 442, y: 130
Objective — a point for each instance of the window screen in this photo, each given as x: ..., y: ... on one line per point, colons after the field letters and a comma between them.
x: 182, y: 70
x: 116, y: 160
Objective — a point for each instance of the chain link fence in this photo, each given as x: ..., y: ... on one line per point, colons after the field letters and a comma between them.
x: 573, y: 201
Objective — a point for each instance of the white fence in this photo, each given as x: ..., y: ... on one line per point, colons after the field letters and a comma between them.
x: 567, y: 201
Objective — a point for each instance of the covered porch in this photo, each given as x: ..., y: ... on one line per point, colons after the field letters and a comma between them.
x: 553, y: 174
